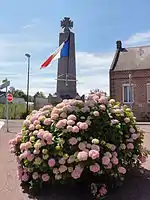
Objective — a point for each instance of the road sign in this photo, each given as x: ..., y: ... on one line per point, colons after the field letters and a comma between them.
x: 4, y: 85
x: 10, y: 97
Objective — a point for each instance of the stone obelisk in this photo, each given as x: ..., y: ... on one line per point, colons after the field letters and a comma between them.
x: 66, y: 75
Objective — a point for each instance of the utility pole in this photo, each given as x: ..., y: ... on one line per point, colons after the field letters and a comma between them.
x: 28, y: 74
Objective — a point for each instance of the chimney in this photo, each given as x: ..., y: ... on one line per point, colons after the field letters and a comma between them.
x: 119, y: 44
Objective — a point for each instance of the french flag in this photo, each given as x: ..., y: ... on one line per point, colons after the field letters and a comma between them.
x: 61, y: 51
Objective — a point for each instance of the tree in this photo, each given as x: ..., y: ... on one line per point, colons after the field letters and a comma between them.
x: 97, y: 90
x: 40, y: 94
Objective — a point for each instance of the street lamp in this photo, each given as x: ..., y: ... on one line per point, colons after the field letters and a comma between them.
x: 28, y: 57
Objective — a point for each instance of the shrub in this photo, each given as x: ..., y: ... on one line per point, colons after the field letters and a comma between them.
x: 96, y: 141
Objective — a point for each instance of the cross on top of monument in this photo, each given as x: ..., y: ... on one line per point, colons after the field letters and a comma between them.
x: 66, y: 24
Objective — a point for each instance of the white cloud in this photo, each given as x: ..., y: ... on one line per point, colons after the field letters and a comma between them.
x: 138, y: 39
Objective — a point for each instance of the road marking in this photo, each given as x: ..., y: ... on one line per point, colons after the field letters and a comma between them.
x: 1, y: 124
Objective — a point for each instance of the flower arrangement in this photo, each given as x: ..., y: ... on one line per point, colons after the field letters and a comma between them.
x: 95, y: 141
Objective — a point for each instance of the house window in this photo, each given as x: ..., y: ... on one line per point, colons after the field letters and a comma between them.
x: 127, y: 94
x: 148, y: 92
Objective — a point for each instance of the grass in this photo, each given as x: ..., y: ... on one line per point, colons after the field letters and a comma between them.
x: 16, y: 111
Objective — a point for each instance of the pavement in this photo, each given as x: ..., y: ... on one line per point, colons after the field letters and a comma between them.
x: 135, y: 187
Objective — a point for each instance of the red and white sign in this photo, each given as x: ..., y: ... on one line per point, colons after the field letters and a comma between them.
x: 10, y: 97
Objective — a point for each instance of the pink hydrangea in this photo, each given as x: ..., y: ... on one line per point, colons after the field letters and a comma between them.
x: 73, y: 141
x: 95, y: 147
x: 62, y: 161
x: 54, y: 116
x: 72, y: 117
x: 83, y: 126
x: 114, y: 160
x: 25, y: 177
x: 96, y: 113
x: 26, y: 122
x: 61, y: 123
x: 70, y: 122
x: 109, y: 166
x: 102, y: 191
x: 82, y: 146
x: 35, y: 175
x: 75, y: 129
x: 82, y: 156
x: 76, y: 173
x: 36, y: 151
x: 31, y: 127
x: 142, y: 159
x: 114, y: 154
x: 95, y: 168
x: 94, y: 154
x: 51, y: 162
x: 30, y: 157
x: 130, y: 146
x: 102, y: 107
x: 47, y: 121
x: 62, y: 168
x: 69, y: 128
x: 105, y: 160
x: 134, y: 136
x: 122, y: 170
x: 22, y: 146
x: 45, y: 177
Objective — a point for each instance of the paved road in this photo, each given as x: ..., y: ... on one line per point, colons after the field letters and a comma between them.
x: 134, y: 188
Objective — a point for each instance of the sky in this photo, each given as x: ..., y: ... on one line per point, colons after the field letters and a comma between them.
x: 33, y: 27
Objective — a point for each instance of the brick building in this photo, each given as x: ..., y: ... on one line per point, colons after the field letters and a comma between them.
x: 130, y: 79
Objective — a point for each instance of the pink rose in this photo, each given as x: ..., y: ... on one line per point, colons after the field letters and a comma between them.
x: 105, y: 160
x: 82, y: 146
x: 54, y: 116
x: 73, y: 141
x: 130, y: 146
x: 36, y: 151
x: 114, y: 160
x: 82, y: 156
x: 75, y: 129
x: 72, y: 117
x: 122, y: 170
x: 93, y: 154
x: 51, y: 162
x: 45, y: 177
x: 95, y: 168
